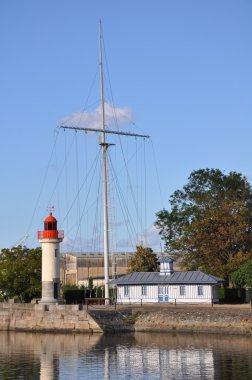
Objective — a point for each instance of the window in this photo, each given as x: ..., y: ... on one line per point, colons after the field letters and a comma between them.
x: 144, y: 290
x: 182, y: 290
x: 55, y: 290
x: 56, y: 253
x: 200, y: 290
x: 50, y: 226
x: 126, y: 291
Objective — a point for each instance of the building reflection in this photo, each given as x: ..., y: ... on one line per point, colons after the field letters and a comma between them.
x: 140, y: 355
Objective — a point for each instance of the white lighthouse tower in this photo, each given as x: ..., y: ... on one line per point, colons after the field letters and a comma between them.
x: 50, y: 239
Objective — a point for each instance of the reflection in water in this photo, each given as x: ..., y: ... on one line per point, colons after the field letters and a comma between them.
x: 126, y: 356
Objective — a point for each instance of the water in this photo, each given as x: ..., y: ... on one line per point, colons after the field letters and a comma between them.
x: 124, y: 356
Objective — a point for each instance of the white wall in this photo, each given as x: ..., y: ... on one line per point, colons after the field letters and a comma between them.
x: 191, y: 294
x: 50, y: 263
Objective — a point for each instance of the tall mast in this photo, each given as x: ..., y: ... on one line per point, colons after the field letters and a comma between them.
x: 104, y: 147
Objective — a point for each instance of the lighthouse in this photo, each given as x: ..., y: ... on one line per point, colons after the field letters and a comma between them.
x: 50, y: 238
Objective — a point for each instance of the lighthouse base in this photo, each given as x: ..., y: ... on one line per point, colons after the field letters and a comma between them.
x: 50, y: 292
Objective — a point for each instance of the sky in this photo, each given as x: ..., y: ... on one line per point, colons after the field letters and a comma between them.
x: 179, y: 71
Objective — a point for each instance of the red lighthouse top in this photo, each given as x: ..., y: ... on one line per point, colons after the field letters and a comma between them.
x: 50, y: 229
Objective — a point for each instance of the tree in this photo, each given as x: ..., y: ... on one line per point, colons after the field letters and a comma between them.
x: 210, y: 222
x: 20, y: 273
x: 143, y: 260
x: 243, y: 276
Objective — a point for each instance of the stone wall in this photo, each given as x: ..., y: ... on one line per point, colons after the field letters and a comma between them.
x: 235, y: 319
x: 156, y: 318
x: 53, y: 318
x: 196, y: 319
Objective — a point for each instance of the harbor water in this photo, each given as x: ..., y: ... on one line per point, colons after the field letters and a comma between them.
x: 124, y: 356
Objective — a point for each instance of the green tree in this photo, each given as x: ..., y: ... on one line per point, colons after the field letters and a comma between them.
x: 20, y: 273
x: 243, y: 276
x: 143, y: 260
x: 209, y: 224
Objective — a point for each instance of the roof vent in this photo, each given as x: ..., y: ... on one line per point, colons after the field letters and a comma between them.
x: 166, y: 265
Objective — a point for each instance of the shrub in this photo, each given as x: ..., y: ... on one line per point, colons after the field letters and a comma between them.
x: 232, y: 295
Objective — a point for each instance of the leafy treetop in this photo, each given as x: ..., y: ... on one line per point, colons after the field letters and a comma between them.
x: 210, y: 222
x: 20, y: 273
x: 243, y: 276
x: 143, y: 260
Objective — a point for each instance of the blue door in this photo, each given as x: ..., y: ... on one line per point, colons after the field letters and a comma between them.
x: 163, y: 295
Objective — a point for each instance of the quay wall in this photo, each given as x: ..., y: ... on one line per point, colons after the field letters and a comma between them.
x: 46, y: 318
x: 183, y: 318
x: 196, y: 319
x: 149, y: 318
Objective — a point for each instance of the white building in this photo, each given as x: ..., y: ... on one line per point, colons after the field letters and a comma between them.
x: 167, y: 286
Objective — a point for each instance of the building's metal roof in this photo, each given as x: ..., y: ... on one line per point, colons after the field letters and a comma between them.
x: 186, y: 277
x: 165, y: 259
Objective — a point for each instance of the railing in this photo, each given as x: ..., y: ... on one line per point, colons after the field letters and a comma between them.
x: 50, y: 234
x: 99, y: 301
x: 171, y: 301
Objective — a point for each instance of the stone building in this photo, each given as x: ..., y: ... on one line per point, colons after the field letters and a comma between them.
x: 76, y: 268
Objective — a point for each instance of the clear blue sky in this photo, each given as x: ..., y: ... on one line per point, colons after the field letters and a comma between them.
x: 183, y: 68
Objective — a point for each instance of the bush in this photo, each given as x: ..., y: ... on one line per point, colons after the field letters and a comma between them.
x: 73, y: 295
x: 250, y: 294
x: 232, y: 295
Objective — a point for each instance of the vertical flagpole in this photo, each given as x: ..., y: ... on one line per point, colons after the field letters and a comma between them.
x: 104, y: 146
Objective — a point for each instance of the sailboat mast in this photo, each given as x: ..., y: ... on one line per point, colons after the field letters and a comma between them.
x: 104, y: 147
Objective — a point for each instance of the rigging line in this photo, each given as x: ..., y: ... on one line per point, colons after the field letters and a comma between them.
x: 95, y: 234
x: 43, y: 181
x: 127, y: 218
x: 110, y: 88
x: 116, y: 122
x: 156, y: 169
x: 83, y: 183
x: 125, y: 211
x: 92, y: 204
x: 84, y: 174
x: 87, y: 98
x: 60, y: 173
x: 90, y: 185
x: 66, y: 180
x: 112, y: 97
x: 56, y: 169
x: 131, y: 187
x: 112, y: 215
x: 77, y: 181
x: 136, y: 179
x: 127, y: 161
x: 145, y: 194
x: 49, y: 162
x: 111, y: 208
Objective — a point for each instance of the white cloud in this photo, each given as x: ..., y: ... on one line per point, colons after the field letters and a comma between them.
x: 80, y: 245
x: 152, y: 238
x: 92, y: 119
x: 149, y: 238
